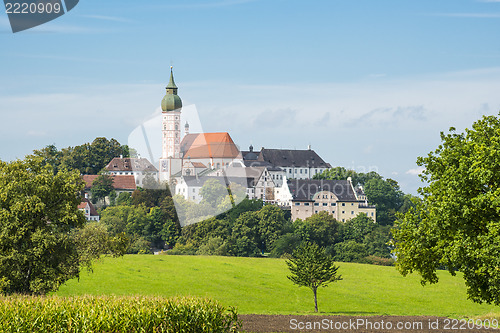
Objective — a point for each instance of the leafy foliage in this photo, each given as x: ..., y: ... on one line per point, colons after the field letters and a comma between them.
x: 102, y: 187
x: 93, y: 241
x: 311, y: 267
x: 116, y: 314
x: 38, y: 208
x: 457, y: 223
x: 89, y: 158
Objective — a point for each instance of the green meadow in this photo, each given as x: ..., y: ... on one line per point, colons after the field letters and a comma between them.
x: 260, y: 286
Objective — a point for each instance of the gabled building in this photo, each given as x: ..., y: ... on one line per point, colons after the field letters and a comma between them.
x: 293, y: 163
x: 213, y: 150
x: 189, y: 186
x: 120, y: 184
x: 88, y: 210
x: 137, y: 167
x: 337, y: 197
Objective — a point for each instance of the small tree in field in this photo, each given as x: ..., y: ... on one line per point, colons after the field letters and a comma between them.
x: 312, y: 267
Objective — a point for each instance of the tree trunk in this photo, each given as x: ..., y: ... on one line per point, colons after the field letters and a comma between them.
x: 315, y: 299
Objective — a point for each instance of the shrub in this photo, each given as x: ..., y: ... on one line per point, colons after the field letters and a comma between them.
x: 115, y: 314
x: 374, y: 260
x: 182, y: 249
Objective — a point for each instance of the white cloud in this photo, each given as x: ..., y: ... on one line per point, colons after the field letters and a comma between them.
x: 415, y: 171
x: 411, y: 113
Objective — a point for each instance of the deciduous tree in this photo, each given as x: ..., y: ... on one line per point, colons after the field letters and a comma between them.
x: 311, y: 267
x: 38, y: 208
x: 457, y: 223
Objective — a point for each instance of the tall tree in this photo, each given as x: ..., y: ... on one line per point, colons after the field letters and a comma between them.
x: 270, y: 228
x: 38, y: 208
x: 311, y: 267
x: 386, y: 196
x: 457, y: 222
x: 102, y: 187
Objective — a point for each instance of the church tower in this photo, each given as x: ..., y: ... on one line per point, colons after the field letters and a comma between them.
x: 171, y: 105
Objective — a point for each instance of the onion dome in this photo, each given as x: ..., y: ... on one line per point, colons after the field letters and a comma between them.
x: 171, y: 101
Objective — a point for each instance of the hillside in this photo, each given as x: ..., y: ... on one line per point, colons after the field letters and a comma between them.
x: 259, y: 285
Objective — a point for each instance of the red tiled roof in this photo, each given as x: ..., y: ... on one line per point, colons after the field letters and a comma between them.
x: 199, y: 165
x: 209, y: 145
x: 130, y: 164
x: 83, y: 205
x: 120, y: 182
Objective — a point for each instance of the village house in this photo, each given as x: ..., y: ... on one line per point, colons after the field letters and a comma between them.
x: 339, y: 198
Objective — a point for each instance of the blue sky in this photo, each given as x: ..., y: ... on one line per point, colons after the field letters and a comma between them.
x: 369, y: 83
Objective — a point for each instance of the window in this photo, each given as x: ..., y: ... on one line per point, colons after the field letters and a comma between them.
x: 300, y: 170
x: 352, y: 204
x: 333, y: 211
x: 298, y: 204
x: 325, y: 204
x: 343, y: 212
x: 193, y: 190
x: 343, y: 204
x: 306, y: 203
x: 343, y: 220
x: 334, y: 204
x: 316, y: 204
x: 352, y: 212
x: 194, y: 198
x: 305, y: 171
x: 316, y: 212
x: 372, y: 213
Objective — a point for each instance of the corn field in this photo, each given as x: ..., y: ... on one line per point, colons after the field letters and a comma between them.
x: 115, y: 314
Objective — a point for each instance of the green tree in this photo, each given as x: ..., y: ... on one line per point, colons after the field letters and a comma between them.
x: 124, y: 199
x: 377, y: 241
x: 350, y: 251
x: 50, y: 156
x: 386, y: 196
x: 213, y: 192
x: 90, y: 158
x: 357, y: 228
x: 321, y: 228
x: 102, y: 187
x: 341, y: 173
x: 311, y: 267
x: 245, y: 235
x: 457, y: 223
x: 93, y: 241
x: 38, y: 208
x: 270, y: 228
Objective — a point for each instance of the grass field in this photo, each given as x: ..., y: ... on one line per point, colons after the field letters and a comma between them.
x: 260, y: 286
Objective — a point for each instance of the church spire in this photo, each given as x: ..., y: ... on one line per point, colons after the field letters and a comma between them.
x: 171, y: 83
x: 171, y: 101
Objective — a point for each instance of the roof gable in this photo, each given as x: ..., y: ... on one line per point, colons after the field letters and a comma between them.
x: 305, y: 189
x: 120, y: 182
x: 209, y: 145
x: 293, y: 158
x: 130, y: 164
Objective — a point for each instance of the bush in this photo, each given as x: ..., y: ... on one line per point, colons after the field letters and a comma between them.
x: 374, y: 260
x: 350, y: 251
x: 215, y: 246
x: 183, y: 249
x: 115, y: 314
